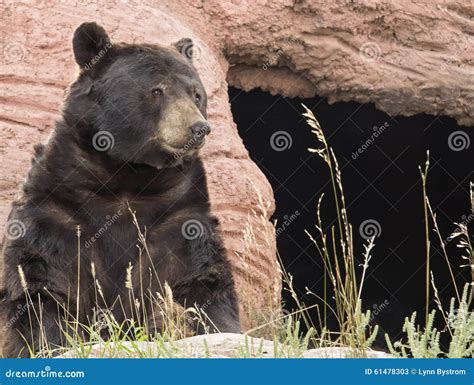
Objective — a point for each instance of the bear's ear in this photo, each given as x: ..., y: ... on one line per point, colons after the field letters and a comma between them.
x: 90, y: 41
x: 186, y: 48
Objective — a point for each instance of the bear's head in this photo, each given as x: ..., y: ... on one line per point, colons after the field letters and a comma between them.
x: 138, y: 103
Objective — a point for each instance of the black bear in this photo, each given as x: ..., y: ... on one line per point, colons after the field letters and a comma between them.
x: 122, y: 163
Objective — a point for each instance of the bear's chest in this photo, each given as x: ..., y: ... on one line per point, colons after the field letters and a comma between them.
x: 148, y: 244
x: 120, y: 229
x: 121, y: 223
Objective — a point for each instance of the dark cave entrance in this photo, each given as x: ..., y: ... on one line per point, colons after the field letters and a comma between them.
x: 382, y: 183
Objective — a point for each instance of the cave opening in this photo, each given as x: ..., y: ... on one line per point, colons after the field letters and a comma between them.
x: 379, y: 157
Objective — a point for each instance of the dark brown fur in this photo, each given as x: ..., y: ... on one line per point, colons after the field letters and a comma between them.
x: 71, y: 184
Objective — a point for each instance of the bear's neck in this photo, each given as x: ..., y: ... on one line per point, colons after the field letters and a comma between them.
x: 67, y: 166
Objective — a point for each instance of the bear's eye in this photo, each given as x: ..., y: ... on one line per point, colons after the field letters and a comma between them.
x: 197, y: 97
x: 157, y: 91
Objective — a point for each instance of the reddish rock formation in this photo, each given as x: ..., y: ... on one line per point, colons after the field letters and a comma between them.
x: 406, y: 57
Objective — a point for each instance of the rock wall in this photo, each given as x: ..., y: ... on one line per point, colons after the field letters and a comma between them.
x: 406, y: 57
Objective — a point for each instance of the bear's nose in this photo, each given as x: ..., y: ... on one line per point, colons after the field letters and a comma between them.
x: 200, y: 129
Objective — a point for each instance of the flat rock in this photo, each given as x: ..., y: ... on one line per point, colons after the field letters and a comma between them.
x: 222, y: 345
